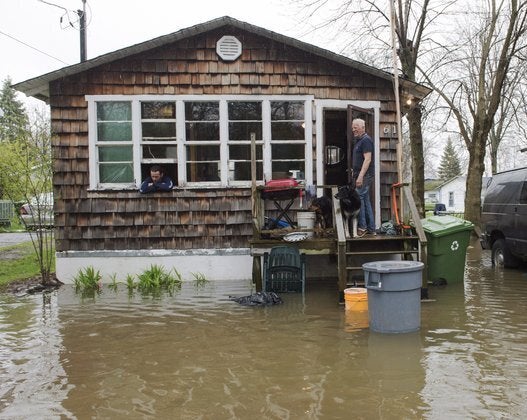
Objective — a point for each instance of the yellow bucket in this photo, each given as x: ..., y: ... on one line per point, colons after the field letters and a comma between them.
x: 356, y: 321
x: 356, y: 299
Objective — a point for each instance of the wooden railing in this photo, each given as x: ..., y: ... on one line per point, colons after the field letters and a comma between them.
x: 408, y: 199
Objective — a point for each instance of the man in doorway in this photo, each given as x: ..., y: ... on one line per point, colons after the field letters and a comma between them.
x: 363, y: 175
x: 157, y: 181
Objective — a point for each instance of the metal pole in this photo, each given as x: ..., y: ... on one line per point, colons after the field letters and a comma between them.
x: 397, y: 108
x: 396, y: 91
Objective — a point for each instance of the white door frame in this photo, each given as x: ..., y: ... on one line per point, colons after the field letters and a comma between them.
x: 323, y: 104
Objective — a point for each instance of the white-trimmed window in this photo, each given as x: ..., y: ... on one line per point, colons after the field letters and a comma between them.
x: 287, y: 138
x: 198, y: 140
x: 451, y: 199
x: 114, y: 143
x: 245, y: 122
x: 158, y: 137
x: 202, y: 141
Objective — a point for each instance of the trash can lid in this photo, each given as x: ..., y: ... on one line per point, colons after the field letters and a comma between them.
x: 392, y: 266
x: 445, y: 225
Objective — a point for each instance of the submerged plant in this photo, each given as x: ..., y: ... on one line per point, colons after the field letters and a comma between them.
x: 157, y: 278
x: 130, y: 282
x: 200, y: 280
x: 88, y: 280
x: 113, y: 285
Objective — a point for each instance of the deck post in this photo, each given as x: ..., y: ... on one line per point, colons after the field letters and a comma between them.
x: 257, y: 272
x: 342, y: 272
x: 341, y: 245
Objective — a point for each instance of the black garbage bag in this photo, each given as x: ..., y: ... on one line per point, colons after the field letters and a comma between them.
x: 258, y: 299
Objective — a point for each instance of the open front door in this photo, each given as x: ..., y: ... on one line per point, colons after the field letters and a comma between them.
x: 369, y: 117
x: 335, y: 147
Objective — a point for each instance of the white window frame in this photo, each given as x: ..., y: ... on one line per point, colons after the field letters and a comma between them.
x: 180, y: 100
x: 143, y: 142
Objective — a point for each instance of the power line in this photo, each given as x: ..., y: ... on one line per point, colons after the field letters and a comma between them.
x: 52, y: 4
x: 71, y: 22
x: 34, y: 48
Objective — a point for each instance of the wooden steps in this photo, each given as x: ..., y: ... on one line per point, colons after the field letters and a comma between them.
x: 372, y: 248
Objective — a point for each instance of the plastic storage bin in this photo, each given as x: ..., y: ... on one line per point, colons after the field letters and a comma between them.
x: 394, y: 295
x: 448, y: 238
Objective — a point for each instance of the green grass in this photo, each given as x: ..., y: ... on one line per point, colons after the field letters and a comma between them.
x: 18, y: 262
x: 15, y: 226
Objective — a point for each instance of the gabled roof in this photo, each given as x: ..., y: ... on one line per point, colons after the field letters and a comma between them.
x: 38, y: 87
x: 450, y: 180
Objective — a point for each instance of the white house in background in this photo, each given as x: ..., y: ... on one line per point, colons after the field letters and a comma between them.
x: 431, y: 191
x: 452, y: 193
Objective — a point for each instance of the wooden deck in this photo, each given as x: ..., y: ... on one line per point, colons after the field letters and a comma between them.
x: 349, y: 252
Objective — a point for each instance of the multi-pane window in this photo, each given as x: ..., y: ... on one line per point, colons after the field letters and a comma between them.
x: 287, y: 138
x: 202, y: 134
x: 451, y: 199
x: 114, y: 142
x: 199, y: 140
x: 158, y: 137
x: 245, y: 122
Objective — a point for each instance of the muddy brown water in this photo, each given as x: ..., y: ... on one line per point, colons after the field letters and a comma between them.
x: 197, y: 355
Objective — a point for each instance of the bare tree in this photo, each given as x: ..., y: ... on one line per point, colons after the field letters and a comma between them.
x: 471, y: 79
x: 509, y: 134
x: 367, y: 23
x: 508, y: 130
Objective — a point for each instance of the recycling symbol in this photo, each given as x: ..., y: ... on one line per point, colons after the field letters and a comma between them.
x: 454, y: 246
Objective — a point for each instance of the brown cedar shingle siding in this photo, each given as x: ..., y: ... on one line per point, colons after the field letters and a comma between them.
x: 189, y: 218
x: 156, y: 221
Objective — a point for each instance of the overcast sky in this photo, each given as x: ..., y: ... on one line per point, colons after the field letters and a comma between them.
x: 37, y: 36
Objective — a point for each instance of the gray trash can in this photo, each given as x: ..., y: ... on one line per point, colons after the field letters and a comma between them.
x: 394, y: 295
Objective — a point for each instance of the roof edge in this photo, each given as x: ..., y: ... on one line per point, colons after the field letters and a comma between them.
x: 38, y: 87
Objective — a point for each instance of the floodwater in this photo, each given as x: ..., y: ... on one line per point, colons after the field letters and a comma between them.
x: 198, y: 355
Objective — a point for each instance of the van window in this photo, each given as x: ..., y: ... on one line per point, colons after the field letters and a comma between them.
x: 523, y: 194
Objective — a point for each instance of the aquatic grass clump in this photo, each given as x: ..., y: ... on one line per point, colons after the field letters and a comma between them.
x: 114, y: 284
x: 88, y: 280
x: 152, y: 281
x: 157, y: 278
x: 130, y: 283
x: 200, y: 280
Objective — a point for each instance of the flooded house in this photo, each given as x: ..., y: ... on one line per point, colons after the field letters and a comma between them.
x: 223, y: 107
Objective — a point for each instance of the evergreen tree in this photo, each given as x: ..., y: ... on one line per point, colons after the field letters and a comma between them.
x: 449, y: 166
x: 14, y: 121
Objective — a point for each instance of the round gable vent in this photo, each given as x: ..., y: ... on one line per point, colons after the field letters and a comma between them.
x: 229, y: 48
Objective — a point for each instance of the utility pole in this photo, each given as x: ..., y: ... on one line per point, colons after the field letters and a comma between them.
x: 82, y: 27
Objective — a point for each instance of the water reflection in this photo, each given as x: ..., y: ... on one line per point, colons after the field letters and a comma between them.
x: 197, y: 354
x: 32, y: 379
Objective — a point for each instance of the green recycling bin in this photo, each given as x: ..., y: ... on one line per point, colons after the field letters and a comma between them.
x: 448, y: 238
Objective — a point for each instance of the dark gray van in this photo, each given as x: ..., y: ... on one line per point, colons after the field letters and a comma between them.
x: 504, y: 218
